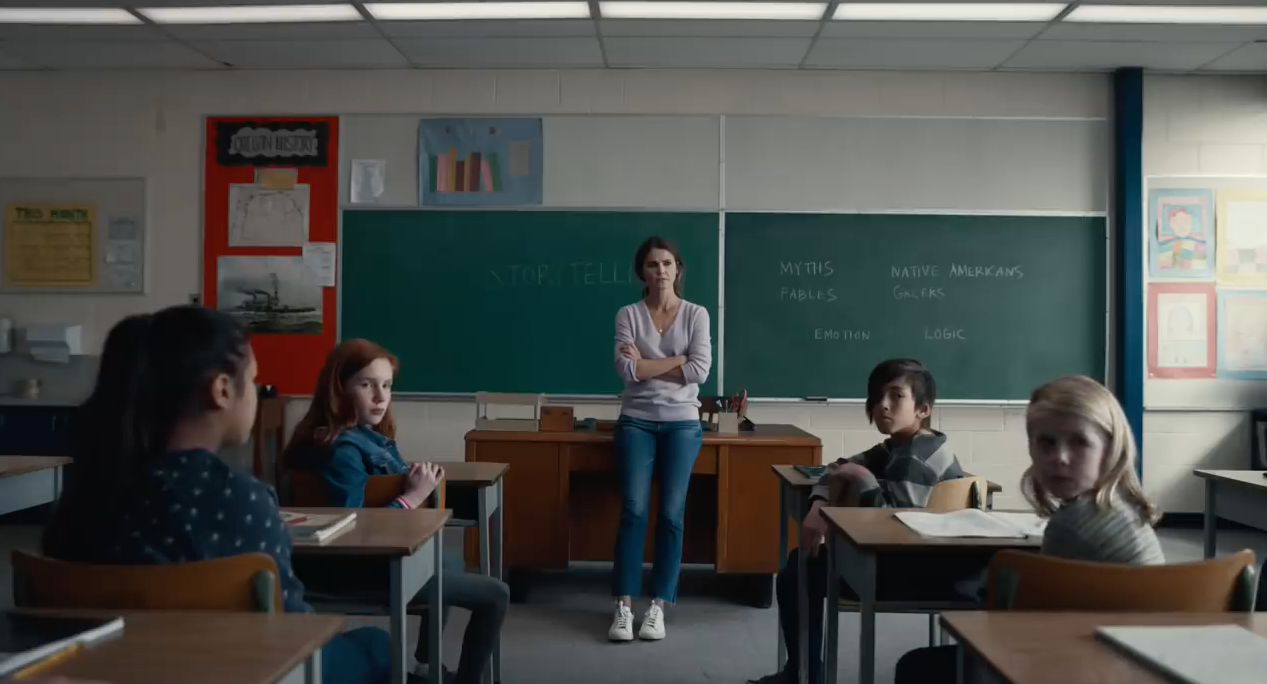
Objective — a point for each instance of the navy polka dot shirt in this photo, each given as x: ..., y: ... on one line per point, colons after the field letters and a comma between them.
x: 189, y: 506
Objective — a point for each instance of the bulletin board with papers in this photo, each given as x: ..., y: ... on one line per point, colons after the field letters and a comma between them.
x: 73, y: 235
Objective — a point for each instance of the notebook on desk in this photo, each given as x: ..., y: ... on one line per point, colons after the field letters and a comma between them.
x: 309, y: 528
x: 26, y: 640
x: 973, y: 522
x: 811, y: 471
x: 1201, y: 654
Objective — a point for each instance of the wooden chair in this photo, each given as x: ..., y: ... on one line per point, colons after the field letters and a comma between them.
x: 246, y: 582
x: 957, y: 494
x: 307, y: 490
x: 1029, y: 581
x: 949, y: 495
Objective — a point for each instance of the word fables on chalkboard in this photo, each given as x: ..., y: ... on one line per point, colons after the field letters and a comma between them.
x: 268, y: 143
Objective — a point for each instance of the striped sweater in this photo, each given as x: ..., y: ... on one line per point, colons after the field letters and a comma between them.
x: 903, y: 471
x: 1079, y: 530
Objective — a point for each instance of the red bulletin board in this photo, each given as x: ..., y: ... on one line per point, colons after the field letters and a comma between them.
x: 290, y: 361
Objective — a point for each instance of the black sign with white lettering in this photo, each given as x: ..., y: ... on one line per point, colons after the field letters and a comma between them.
x: 283, y: 143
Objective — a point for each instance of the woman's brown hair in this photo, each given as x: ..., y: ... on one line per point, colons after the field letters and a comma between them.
x: 640, y: 261
x: 1081, y: 396
x: 331, y: 410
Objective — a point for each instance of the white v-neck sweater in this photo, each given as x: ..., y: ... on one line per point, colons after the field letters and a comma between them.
x: 687, y: 335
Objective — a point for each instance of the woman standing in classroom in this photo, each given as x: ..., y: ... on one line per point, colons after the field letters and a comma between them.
x: 663, y: 353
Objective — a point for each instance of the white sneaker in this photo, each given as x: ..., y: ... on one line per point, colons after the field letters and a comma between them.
x: 652, y: 624
x: 622, y: 624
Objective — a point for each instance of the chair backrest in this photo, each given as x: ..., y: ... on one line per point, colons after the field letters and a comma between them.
x: 1030, y: 581
x: 308, y: 490
x: 957, y: 494
x: 245, y: 582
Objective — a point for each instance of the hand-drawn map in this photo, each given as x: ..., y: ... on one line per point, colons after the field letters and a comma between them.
x: 50, y: 244
x: 267, y: 217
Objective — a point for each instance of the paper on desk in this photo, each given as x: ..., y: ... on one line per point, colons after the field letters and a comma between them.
x: 972, y: 522
x: 1201, y: 654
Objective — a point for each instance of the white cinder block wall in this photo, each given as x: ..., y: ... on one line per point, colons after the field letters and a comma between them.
x: 1198, y: 126
x: 151, y: 124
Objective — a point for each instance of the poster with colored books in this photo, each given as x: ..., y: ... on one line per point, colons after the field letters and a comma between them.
x: 480, y: 162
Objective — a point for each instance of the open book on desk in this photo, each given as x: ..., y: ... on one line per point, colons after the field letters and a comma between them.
x: 29, y: 642
x: 973, y: 522
x: 1194, y: 654
x: 312, y: 528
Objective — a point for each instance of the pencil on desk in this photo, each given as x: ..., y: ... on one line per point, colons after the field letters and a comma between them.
x: 48, y: 661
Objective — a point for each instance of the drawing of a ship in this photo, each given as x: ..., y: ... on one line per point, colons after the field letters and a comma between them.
x: 264, y: 312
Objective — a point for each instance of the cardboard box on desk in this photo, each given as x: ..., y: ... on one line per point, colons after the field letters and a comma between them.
x: 485, y: 399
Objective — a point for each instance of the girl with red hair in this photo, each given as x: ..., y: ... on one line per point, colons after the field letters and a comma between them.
x: 347, y: 435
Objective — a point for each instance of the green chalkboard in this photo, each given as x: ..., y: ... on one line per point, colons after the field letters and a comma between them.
x: 993, y: 305
x: 508, y: 301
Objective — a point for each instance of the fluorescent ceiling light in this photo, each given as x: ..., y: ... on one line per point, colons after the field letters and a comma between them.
x: 939, y: 11
x: 1167, y: 14
x: 805, y: 11
x: 251, y: 14
x: 66, y: 15
x: 423, y: 11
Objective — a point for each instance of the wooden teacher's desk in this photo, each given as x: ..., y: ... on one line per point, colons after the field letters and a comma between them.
x: 562, y: 503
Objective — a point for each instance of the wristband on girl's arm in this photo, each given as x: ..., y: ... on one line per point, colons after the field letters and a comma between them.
x: 404, y: 502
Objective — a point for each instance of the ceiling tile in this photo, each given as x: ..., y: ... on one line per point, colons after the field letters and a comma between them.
x: 911, y: 54
x: 931, y: 29
x: 502, y: 52
x: 109, y: 55
x: 78, y: 33
x: 1071, y: 55
x: 1251, y: 57
x: 1152, y: 32
x: 546, y: 28
x: 715, y: 29
x: 304, y: 54
x: 322, y: 30
x: 706, y: 52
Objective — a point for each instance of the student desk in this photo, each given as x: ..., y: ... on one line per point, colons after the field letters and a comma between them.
x: 28, y: 481
x: 857, y: 536
x: 794, y: 492
x: 1236, y: 495
x: 217, y: 647
x: 1060, y: 648
x: 410, y: 541
x: 562, y: 503
x: 487, y: 480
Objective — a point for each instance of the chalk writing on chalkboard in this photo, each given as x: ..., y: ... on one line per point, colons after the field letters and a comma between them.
x: 50, y: 244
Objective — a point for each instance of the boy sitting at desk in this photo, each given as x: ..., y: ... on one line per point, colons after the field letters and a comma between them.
x: 899, y: 472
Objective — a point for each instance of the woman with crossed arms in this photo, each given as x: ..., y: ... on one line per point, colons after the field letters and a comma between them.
x: 663, y: 353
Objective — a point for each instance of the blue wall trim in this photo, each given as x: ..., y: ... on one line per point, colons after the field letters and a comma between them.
x: 1128, y: 239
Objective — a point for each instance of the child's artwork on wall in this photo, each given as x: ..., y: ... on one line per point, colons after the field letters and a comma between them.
x: 482, y: 162
x: 1180, y: 233
x: 1242, y: 236
x: 1242, y: 334
x: 1181, y: 330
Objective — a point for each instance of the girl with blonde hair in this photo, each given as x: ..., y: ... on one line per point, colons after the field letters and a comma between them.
x: 1082, y: 478
x: 1082, y: 475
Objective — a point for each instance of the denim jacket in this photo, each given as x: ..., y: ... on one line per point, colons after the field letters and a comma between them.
x: 354, y: 455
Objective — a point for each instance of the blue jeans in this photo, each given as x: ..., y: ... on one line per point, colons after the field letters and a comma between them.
x: 667, y: 450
